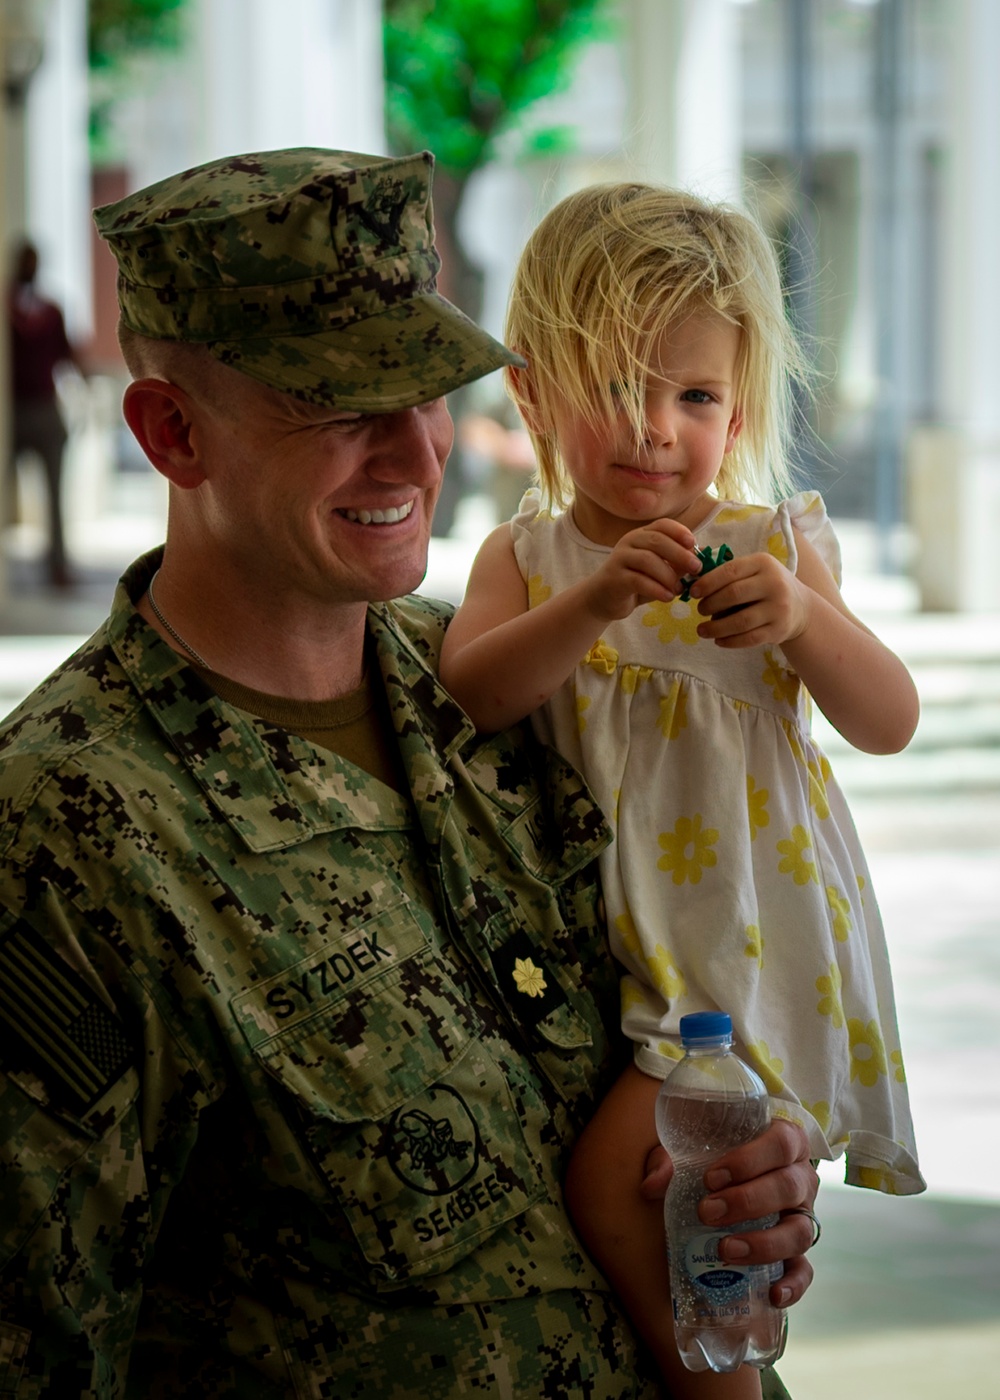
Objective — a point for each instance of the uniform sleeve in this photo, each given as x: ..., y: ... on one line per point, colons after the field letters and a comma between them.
x: 806, y: 512
x: 86, y: 1166
x: 74, y: 1239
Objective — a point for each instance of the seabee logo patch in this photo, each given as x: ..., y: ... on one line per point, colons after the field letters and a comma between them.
x: 435, y: 1148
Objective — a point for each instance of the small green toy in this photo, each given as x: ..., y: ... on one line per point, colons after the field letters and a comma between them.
x: 707, y: 565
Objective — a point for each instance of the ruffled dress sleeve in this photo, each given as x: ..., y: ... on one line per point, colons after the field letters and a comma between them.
x: 806, y: 512
x: 522, y: 526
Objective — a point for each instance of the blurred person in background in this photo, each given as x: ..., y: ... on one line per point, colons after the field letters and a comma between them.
x: 39, y: 345
x: 498, y: 437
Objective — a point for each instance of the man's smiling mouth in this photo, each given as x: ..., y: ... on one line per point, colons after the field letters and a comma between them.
x: 391, y: 515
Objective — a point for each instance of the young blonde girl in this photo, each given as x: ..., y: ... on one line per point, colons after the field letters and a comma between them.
x: 660, y: 366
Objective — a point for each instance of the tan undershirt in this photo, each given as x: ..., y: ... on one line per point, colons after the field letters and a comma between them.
x: 356, y: 726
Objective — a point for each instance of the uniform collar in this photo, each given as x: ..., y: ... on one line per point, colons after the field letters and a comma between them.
x: 272, y: 787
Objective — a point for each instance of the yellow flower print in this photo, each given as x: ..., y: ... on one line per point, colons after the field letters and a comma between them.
x: 877, y: 1179
x: 819, y: 774
x: 778, y: 546
x: 674, y: 845
x: 671, y: 627
x: 528, y: 978
x: 784, y: 683
x: 582, y: 704
x: 820, y: 1111
x: 829, y: 989
x: 665, y: 975
x: 841, y: 911
x: 670, y: 1050
x: 630, y: 678
x: 538, y: 591
x: 768, y: 1066
x: 792, y: 735
x: 867, y: 1052
x: 601, y: 658
x: 754, y: 945
x: 672, y: 717
x: 757, y: 807
x: 730, y: 513
x: 786, y: 1112
x: 632, y: 994
x: 627, y: 931
x: 896, y: 1058
x: 795, y: 863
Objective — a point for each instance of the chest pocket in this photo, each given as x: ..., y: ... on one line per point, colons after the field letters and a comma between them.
x: 408, y: 1117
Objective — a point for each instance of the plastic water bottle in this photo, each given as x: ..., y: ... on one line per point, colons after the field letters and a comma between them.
x: 712, y: 1101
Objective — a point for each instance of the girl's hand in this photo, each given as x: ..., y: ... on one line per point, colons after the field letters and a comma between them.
x: 645, y: 565
x: 750, y: 601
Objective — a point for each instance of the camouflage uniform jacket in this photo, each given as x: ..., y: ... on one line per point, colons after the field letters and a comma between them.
x: 291, y: 1066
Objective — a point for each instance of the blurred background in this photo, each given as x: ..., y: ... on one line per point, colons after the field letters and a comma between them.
x: 866, y: 136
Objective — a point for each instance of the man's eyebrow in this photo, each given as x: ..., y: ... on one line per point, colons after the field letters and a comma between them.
x: 324, y: 413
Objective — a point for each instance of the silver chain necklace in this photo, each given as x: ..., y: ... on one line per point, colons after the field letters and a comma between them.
x: 173, y: 632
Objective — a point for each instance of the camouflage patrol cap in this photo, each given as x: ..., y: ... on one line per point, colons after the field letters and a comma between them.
x: 313, y: 271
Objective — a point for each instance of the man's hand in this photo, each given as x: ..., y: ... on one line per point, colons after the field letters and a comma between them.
x: 771, y: 1174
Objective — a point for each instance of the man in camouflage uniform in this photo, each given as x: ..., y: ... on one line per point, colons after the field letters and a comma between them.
x: 305, y: 993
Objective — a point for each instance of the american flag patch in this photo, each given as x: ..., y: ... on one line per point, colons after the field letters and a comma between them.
x: 52, y: 1023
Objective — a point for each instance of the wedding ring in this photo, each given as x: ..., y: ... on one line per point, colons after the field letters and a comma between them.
x: 817, y: 1227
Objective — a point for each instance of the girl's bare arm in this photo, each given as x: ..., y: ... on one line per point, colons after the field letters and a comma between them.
x: 502, y: 659
x: 861, y: 686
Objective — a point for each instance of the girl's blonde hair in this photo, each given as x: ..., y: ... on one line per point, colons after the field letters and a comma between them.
x: 604, y: 274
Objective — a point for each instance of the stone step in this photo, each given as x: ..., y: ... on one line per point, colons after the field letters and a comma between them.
x: 956, y: 744
x: 967, y: 724
x: 956, y: 769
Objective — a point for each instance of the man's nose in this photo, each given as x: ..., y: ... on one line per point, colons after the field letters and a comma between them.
x: 417, y: 442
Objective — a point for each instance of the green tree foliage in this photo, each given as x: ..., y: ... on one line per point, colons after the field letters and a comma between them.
x: 117, y: 28
x: 461, y: 74
x: 117, y: 32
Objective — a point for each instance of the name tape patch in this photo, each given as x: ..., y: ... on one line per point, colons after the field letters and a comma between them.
x: 328, y: 975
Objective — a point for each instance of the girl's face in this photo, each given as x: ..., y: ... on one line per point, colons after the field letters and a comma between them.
x: 692, y: 421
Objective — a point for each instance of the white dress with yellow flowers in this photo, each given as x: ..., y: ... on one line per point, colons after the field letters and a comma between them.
x: 736, y: 880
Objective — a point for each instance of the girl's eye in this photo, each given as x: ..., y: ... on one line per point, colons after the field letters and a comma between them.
x: 698, y: 396
x: 622, y: 393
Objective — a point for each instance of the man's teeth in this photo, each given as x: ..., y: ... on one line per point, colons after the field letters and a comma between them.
x: 379, y: 517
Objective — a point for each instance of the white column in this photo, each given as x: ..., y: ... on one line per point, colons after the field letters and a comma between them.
x: 684, y: 119
x: 58, y: 165
x: 955, y: 465
x: 299, y: 73
x: 4, y: 340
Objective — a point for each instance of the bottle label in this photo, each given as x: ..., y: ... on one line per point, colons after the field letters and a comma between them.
x: 721, y: 1284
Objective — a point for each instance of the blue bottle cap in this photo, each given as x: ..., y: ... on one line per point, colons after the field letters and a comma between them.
x: 701, y: 1026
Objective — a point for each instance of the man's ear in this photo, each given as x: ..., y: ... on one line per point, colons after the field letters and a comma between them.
x: 735, y: 428
x: 160, y: 416
x: 524, y: 385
